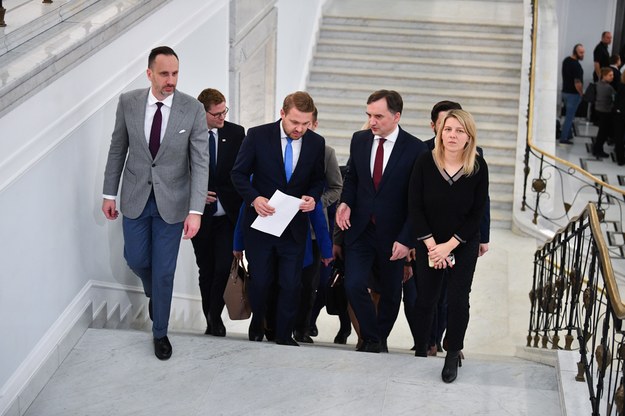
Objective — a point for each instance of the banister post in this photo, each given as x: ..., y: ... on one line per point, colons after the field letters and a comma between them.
x: 2, y: 12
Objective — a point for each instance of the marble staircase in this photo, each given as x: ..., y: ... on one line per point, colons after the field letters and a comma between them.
x: 115, y: 372
x: 477, y: 65
x: 42, y: 41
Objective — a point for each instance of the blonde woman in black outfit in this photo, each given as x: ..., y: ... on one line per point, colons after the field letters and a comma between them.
x: 448, y: 193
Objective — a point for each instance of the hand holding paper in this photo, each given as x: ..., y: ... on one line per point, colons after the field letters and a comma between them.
x: 285, y: 207
x: 308, y: 203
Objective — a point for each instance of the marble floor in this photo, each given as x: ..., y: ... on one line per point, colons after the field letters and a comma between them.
x: 114, y: 372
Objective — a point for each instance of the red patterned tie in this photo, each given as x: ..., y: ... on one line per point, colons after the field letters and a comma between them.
x: 378, y: 164
x: 155, y: 132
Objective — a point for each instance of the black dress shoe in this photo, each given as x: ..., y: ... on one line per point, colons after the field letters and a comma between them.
x: 600, y: 153
x: 254, y: 336
x: 287, y: 341
x: 383, y: 346
x: 303, y: 337
x: 341, y: 337
x: 313, y: 331
x: 150, y: 309
x: 270, y: 334
x: 450, y: 369
x: 217, y: 328
x: 421, y: 350
x: 255, y: 331
x: 209, y: 330
x: 162, y: 348
x: 370, y: 346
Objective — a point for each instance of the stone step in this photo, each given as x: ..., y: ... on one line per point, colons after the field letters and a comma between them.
x: 27, y: 19
x: 334, y: 105
x: 395, y: 24
x: 49, y: 54
x: 329, y: 376
x: 500, y: 219
x: 366, y: 48
x: 422, y: 64
x: 380, y: 78
x: 418, y: 94
x: 416, y: 34
x: 354, y: 122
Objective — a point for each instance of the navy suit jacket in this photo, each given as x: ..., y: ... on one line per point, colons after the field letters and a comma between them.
x: 389, y: 204
x: 260, y: 157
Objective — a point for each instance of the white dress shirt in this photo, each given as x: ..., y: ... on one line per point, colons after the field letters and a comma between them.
x: 388, y: 148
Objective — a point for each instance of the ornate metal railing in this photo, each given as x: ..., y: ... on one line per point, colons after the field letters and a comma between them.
x: 575, y: 296
x: 575, y: 300
x: 554, y: 209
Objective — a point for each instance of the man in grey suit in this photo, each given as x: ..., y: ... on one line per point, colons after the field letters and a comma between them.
x: 161, y: 138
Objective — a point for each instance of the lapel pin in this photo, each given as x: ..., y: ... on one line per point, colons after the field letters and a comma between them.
x: 181, y: 131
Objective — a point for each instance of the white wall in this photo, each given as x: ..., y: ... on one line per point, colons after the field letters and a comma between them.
x: 298, y: 26
x: 581, y: 21
x: 53, y: 149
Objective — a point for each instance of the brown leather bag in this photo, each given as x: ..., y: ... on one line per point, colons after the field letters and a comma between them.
x: 235, y: 295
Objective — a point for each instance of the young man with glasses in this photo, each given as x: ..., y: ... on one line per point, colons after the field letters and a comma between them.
x: 213, y: 242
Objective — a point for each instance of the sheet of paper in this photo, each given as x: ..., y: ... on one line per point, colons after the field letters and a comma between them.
x: 286, y: 207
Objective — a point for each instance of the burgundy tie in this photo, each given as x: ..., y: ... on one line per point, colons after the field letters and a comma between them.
x: 155, y: 132
x: 378, y: 164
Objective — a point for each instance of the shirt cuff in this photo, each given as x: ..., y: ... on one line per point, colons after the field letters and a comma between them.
x: 113, y: 197
x: 195, y: 212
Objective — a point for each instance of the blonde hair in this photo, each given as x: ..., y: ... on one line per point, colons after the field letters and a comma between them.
x: 469, y: 162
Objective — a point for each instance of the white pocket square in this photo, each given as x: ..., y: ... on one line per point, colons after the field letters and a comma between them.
x: 181, y: 131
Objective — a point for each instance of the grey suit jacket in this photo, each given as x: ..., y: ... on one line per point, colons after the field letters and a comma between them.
x: 178, y: 174
x: 334, y: 180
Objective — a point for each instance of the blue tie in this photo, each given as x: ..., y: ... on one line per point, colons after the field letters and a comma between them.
x: 212, y: 168
x: 211, y: 151
x: 288, y: 159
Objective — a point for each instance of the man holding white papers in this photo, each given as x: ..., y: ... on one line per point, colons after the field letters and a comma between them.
x: 283, y: 156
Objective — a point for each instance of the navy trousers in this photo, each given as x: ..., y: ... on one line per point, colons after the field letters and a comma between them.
x: 272, y: 257
x: 151, y: 250
x: 361, y: 257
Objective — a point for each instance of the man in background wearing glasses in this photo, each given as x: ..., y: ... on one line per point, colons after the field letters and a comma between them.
x: 213, y: 242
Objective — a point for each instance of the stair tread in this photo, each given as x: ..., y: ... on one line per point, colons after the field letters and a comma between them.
x: 465, y: 49
x: 442, y: 92
x: 421, y: 32
x: 459, y: 79
x: 355, y: 102
x: 416, y: 60
x: 360, y: 119
x: 393, y: 22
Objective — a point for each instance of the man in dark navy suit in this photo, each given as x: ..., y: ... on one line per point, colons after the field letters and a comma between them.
x: 374, y: 211
x: 213, y: 242
x: 286, y: 156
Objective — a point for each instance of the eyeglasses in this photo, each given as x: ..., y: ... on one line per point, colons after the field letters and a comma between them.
x: 218, y: 115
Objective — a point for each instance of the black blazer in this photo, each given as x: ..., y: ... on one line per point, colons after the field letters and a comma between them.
x: 260, y: 157
x: 389, y: 204
x: 485, y: 222
x: 229, y: 140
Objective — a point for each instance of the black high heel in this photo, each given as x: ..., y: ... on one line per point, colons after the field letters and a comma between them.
x: 453, y: 360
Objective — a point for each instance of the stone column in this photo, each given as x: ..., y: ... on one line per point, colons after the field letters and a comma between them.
x: 253, y: 31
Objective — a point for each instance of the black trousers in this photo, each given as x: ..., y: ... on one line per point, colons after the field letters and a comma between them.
x: 605, y: 131
x: 362, y: 257
x: 429, y: 288
x: 310, y: 282
x: 618, y: 130
x: 213, y: 255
